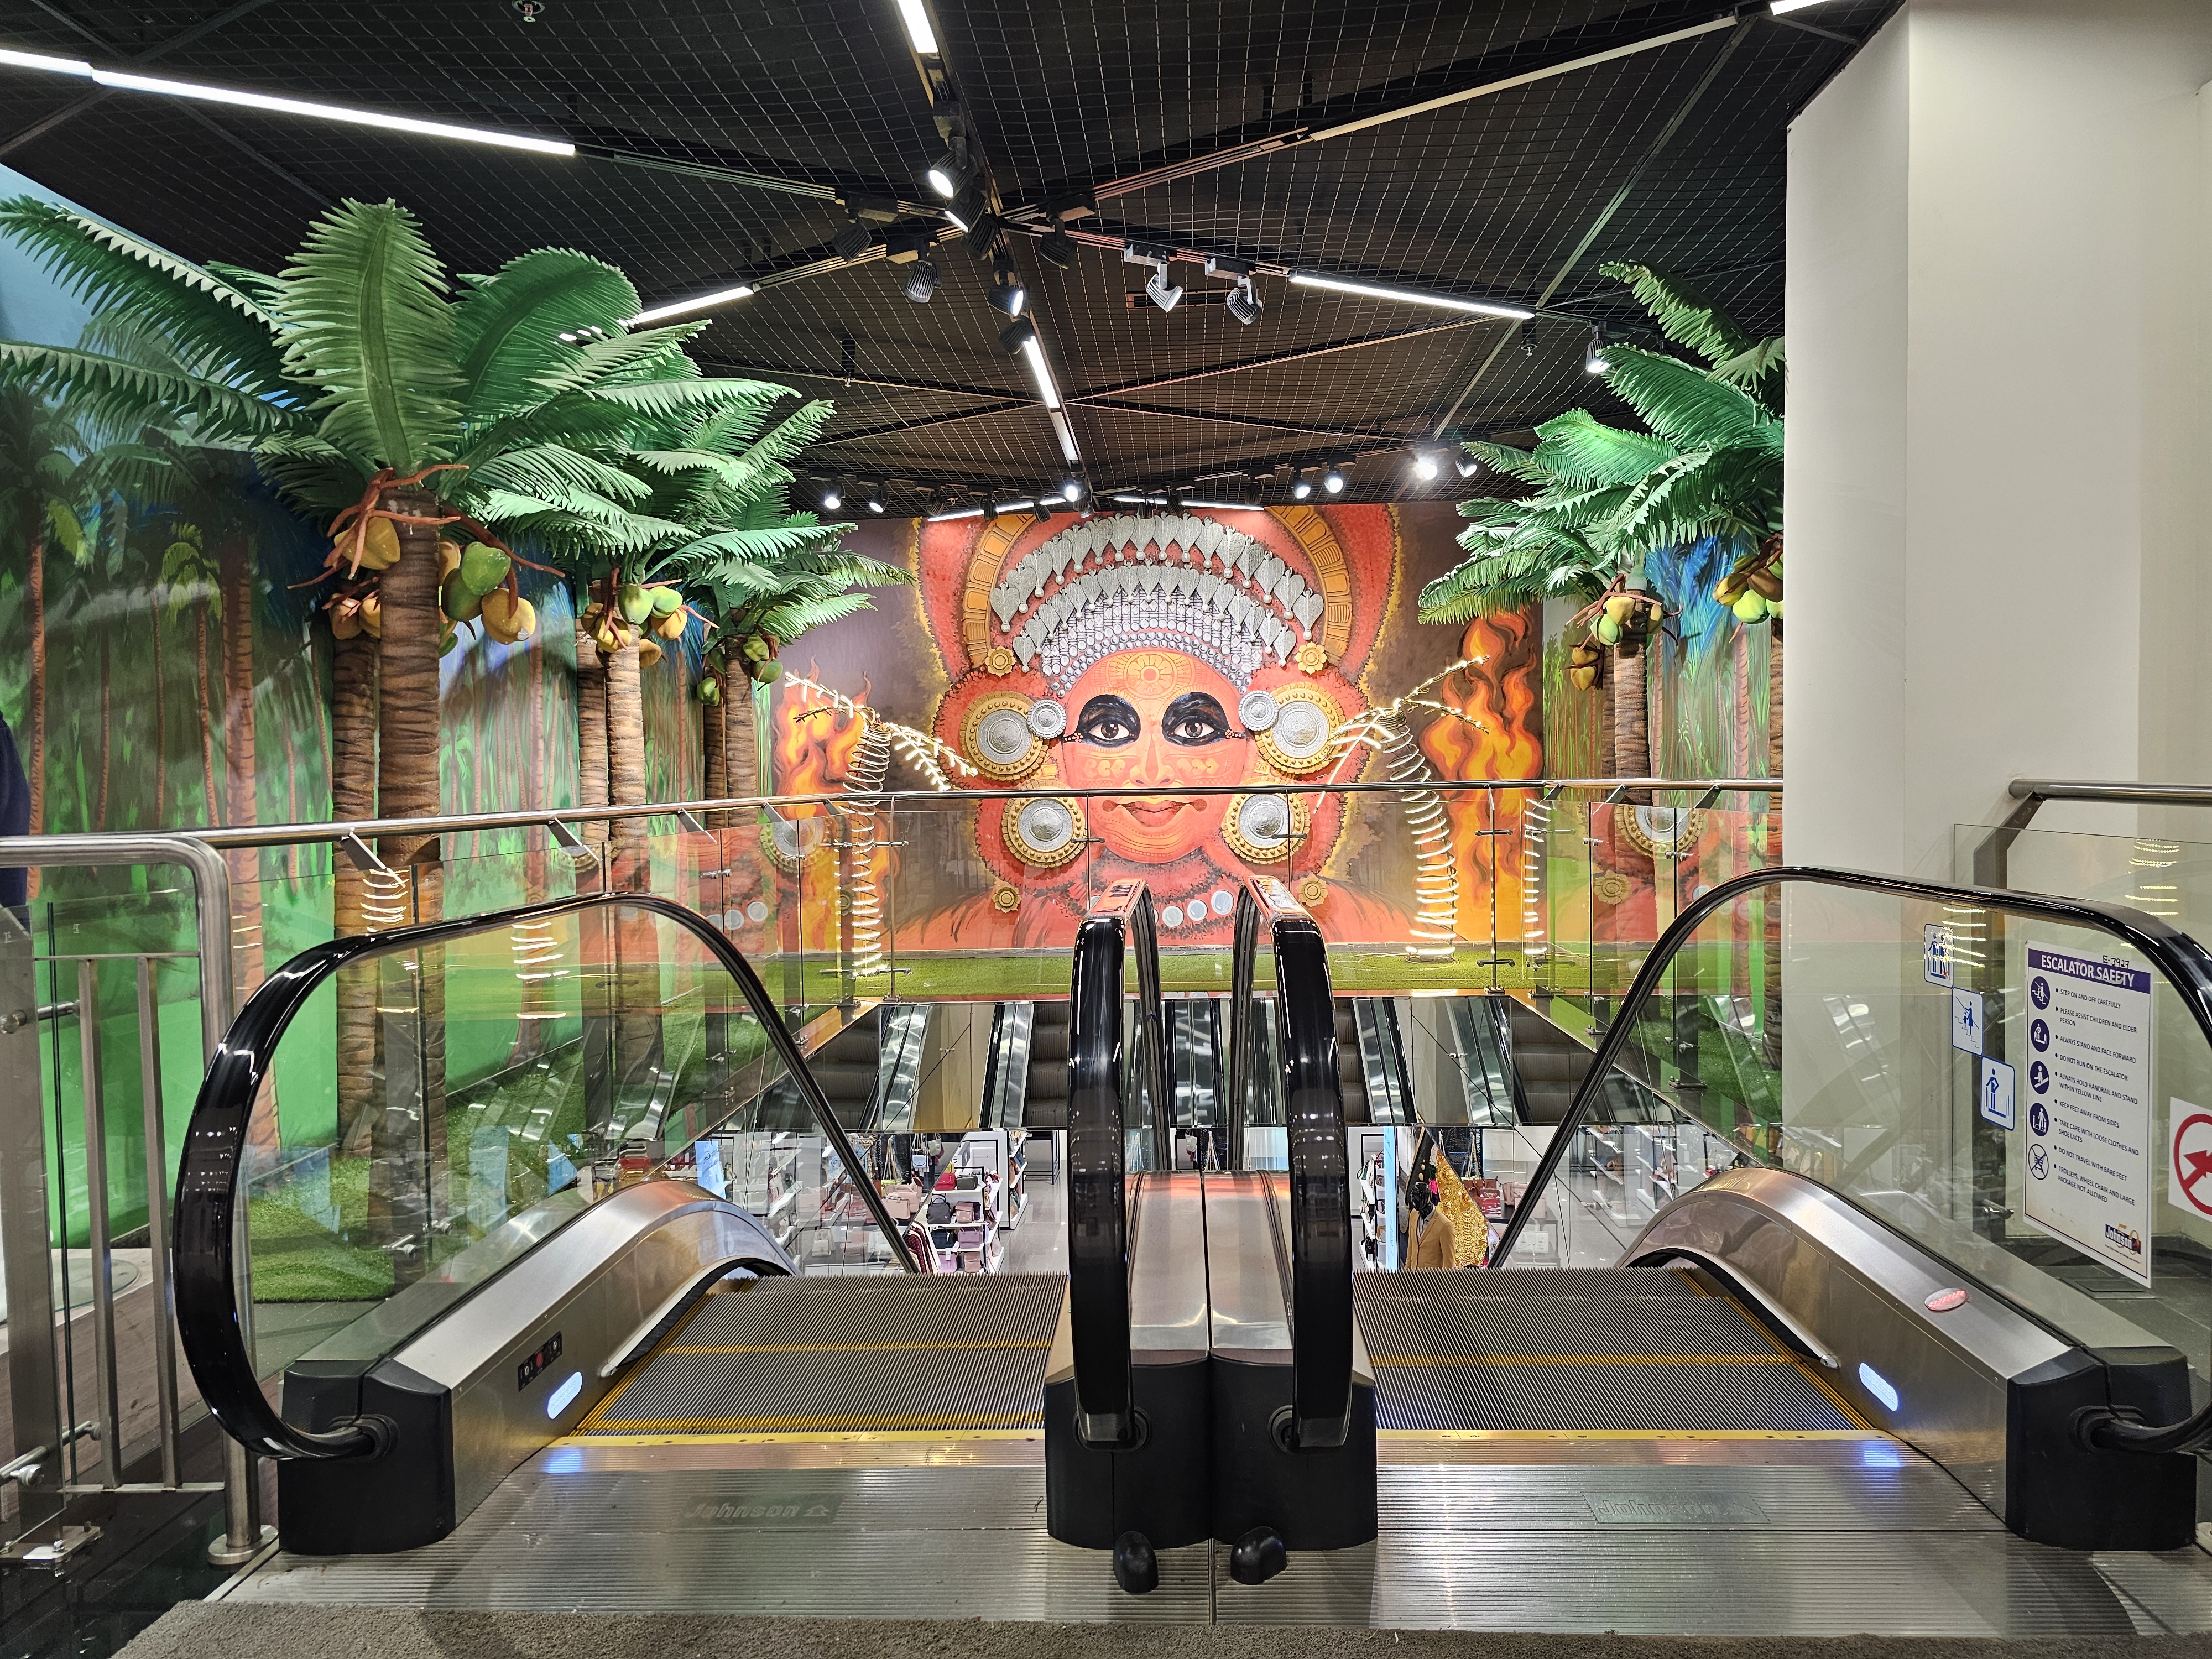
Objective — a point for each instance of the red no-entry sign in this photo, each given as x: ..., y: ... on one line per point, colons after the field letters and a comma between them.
x: 2192, y: 1161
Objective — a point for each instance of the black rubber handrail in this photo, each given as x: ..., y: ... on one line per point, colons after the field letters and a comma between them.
x: 1319, y: 1293
x: 1118, y: 924
x: 2180, y: 960
x: 207, y: 1180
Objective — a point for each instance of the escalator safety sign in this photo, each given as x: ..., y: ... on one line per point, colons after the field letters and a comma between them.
x: 1936, y: 956
x: 2088, y: 1147
x: 1997, y: 1093
x: 2188, y: 1166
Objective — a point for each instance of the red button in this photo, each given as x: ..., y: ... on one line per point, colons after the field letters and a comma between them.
x: 1944, y: 1301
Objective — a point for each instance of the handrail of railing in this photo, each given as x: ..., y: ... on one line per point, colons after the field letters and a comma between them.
x: 2185, y: 965
x: 1319, y: 1289
x: 366, y: 829
x: 210, y: 1218
x: 1118, y: 924
x: 2032, y: 793
x: 212, y: 936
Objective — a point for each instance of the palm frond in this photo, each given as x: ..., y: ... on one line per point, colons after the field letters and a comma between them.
x: 120, y: 395
x: 1579, y: 449
x: 1757, y: 370
x: 1725, y: 492
x: 1684, y: 313
x: 221, y: 331
x: 677, y: 395
x: 365, y: 321
x: 1687, y: 406
x: 515, y: 332
x: 310, y: 473
x: 552, y: 472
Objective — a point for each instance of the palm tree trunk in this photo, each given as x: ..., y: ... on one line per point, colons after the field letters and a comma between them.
x: 625, y: 744
x: 36, y: 589
x: 235, y: 569
x: 161, y: 713
x: 353, y: 797
x: 715, y: 784
x: 408, y: 1137
x: 591, y: 731
x: 1773, y: 1023
x: 740, y: 740
x: 106, y: 734
x: 1631, y: 719
x: 214, y: 807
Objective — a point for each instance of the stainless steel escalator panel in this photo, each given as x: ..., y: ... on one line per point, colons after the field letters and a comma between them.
x: 1168, y: 1271
x: 1245, y: 1260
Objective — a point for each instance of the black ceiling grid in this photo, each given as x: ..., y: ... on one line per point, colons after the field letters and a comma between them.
x: 716, y: 139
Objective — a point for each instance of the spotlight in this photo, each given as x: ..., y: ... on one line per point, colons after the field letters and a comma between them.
x: 1424, y: 466
x: 1007, y: 293
x: 949, y: 174
x: 903, y: 247
x: 1244, y: 302
x: 981, y: 234
x: 853, y: 241
x: 1175, y: 499
x: 1164, y: 294
x: 921, y: 281
x: 1466, y: 464
x: 1593, y: 360
x: 833, y: 497
x: 1058, y: 248
x: 1072, y: 491
x: 1301, y: 488
x: 873, y: 497
x: 1042, y: 512
x: 1333, y: 481
x: 970, y: 206
x: 1011, y: 340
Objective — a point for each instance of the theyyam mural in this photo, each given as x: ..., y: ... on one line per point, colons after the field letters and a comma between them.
x: 1236, y: 652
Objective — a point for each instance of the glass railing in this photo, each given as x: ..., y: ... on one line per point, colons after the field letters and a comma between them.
x: 2020, y: 1085
x: 519, y: 1068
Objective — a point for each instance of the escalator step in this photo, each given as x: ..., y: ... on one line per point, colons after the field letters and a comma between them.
x: 1677, y: 1396
x: 832, y: 1355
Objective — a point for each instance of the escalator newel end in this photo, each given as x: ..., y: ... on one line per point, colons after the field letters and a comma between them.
x: 1136, y: 1564
x: 1258, y: 1556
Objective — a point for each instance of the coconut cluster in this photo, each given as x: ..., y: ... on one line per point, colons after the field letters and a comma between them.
x: 635, y: 614
x: 476, y: 583
x: 1753, y: 592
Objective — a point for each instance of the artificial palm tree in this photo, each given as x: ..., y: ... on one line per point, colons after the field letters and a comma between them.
x: 1605, y: 499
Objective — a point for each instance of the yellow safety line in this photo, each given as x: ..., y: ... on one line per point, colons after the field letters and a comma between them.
x: 766, y: 1424
x: 847, y: 1347
x: 847, y: 1437
x: 1630, y: 1434
x: 1582, y: 1359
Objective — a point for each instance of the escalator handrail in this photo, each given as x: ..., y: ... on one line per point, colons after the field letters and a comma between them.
x: 204, y: 1232
x: 1099, y: 1236
x: 1320, y: 1288
x: 2184, y: 963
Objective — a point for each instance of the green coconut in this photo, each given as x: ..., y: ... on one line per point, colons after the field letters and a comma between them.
x: 1750, y: 608
x: 768, y: 672
x: 666, y: 601
x: 637, y: 602
x: 460, y: 602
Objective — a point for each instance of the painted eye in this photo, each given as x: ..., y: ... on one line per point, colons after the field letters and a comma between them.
x: 1194, y: 718
x: 1108, y: 722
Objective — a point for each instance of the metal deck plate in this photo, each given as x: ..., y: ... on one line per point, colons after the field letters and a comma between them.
x: 1888, y: 1547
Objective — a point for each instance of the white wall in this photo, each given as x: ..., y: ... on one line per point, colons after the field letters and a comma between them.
x: 2000, y: 465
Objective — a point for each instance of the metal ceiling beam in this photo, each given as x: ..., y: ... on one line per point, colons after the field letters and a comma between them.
x: 77, y: 106
x: 949, y: 388
x: 1479, y: 77
x: 1308, y: 428
x: 1659, y: 143
x: 1273, y: 359
x: 1007, y: 407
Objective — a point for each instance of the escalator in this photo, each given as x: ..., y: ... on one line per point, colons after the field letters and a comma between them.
x: 1823, y: 1352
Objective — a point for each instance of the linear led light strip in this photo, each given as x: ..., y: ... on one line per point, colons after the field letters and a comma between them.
x: 121, y: 81
x: 1410, y: 297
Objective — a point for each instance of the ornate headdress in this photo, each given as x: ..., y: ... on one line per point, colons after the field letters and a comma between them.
x: 1185, y: 583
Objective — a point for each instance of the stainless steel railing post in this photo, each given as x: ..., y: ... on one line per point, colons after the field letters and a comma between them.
x: 157, y: 1216
x: 107, y: 1392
